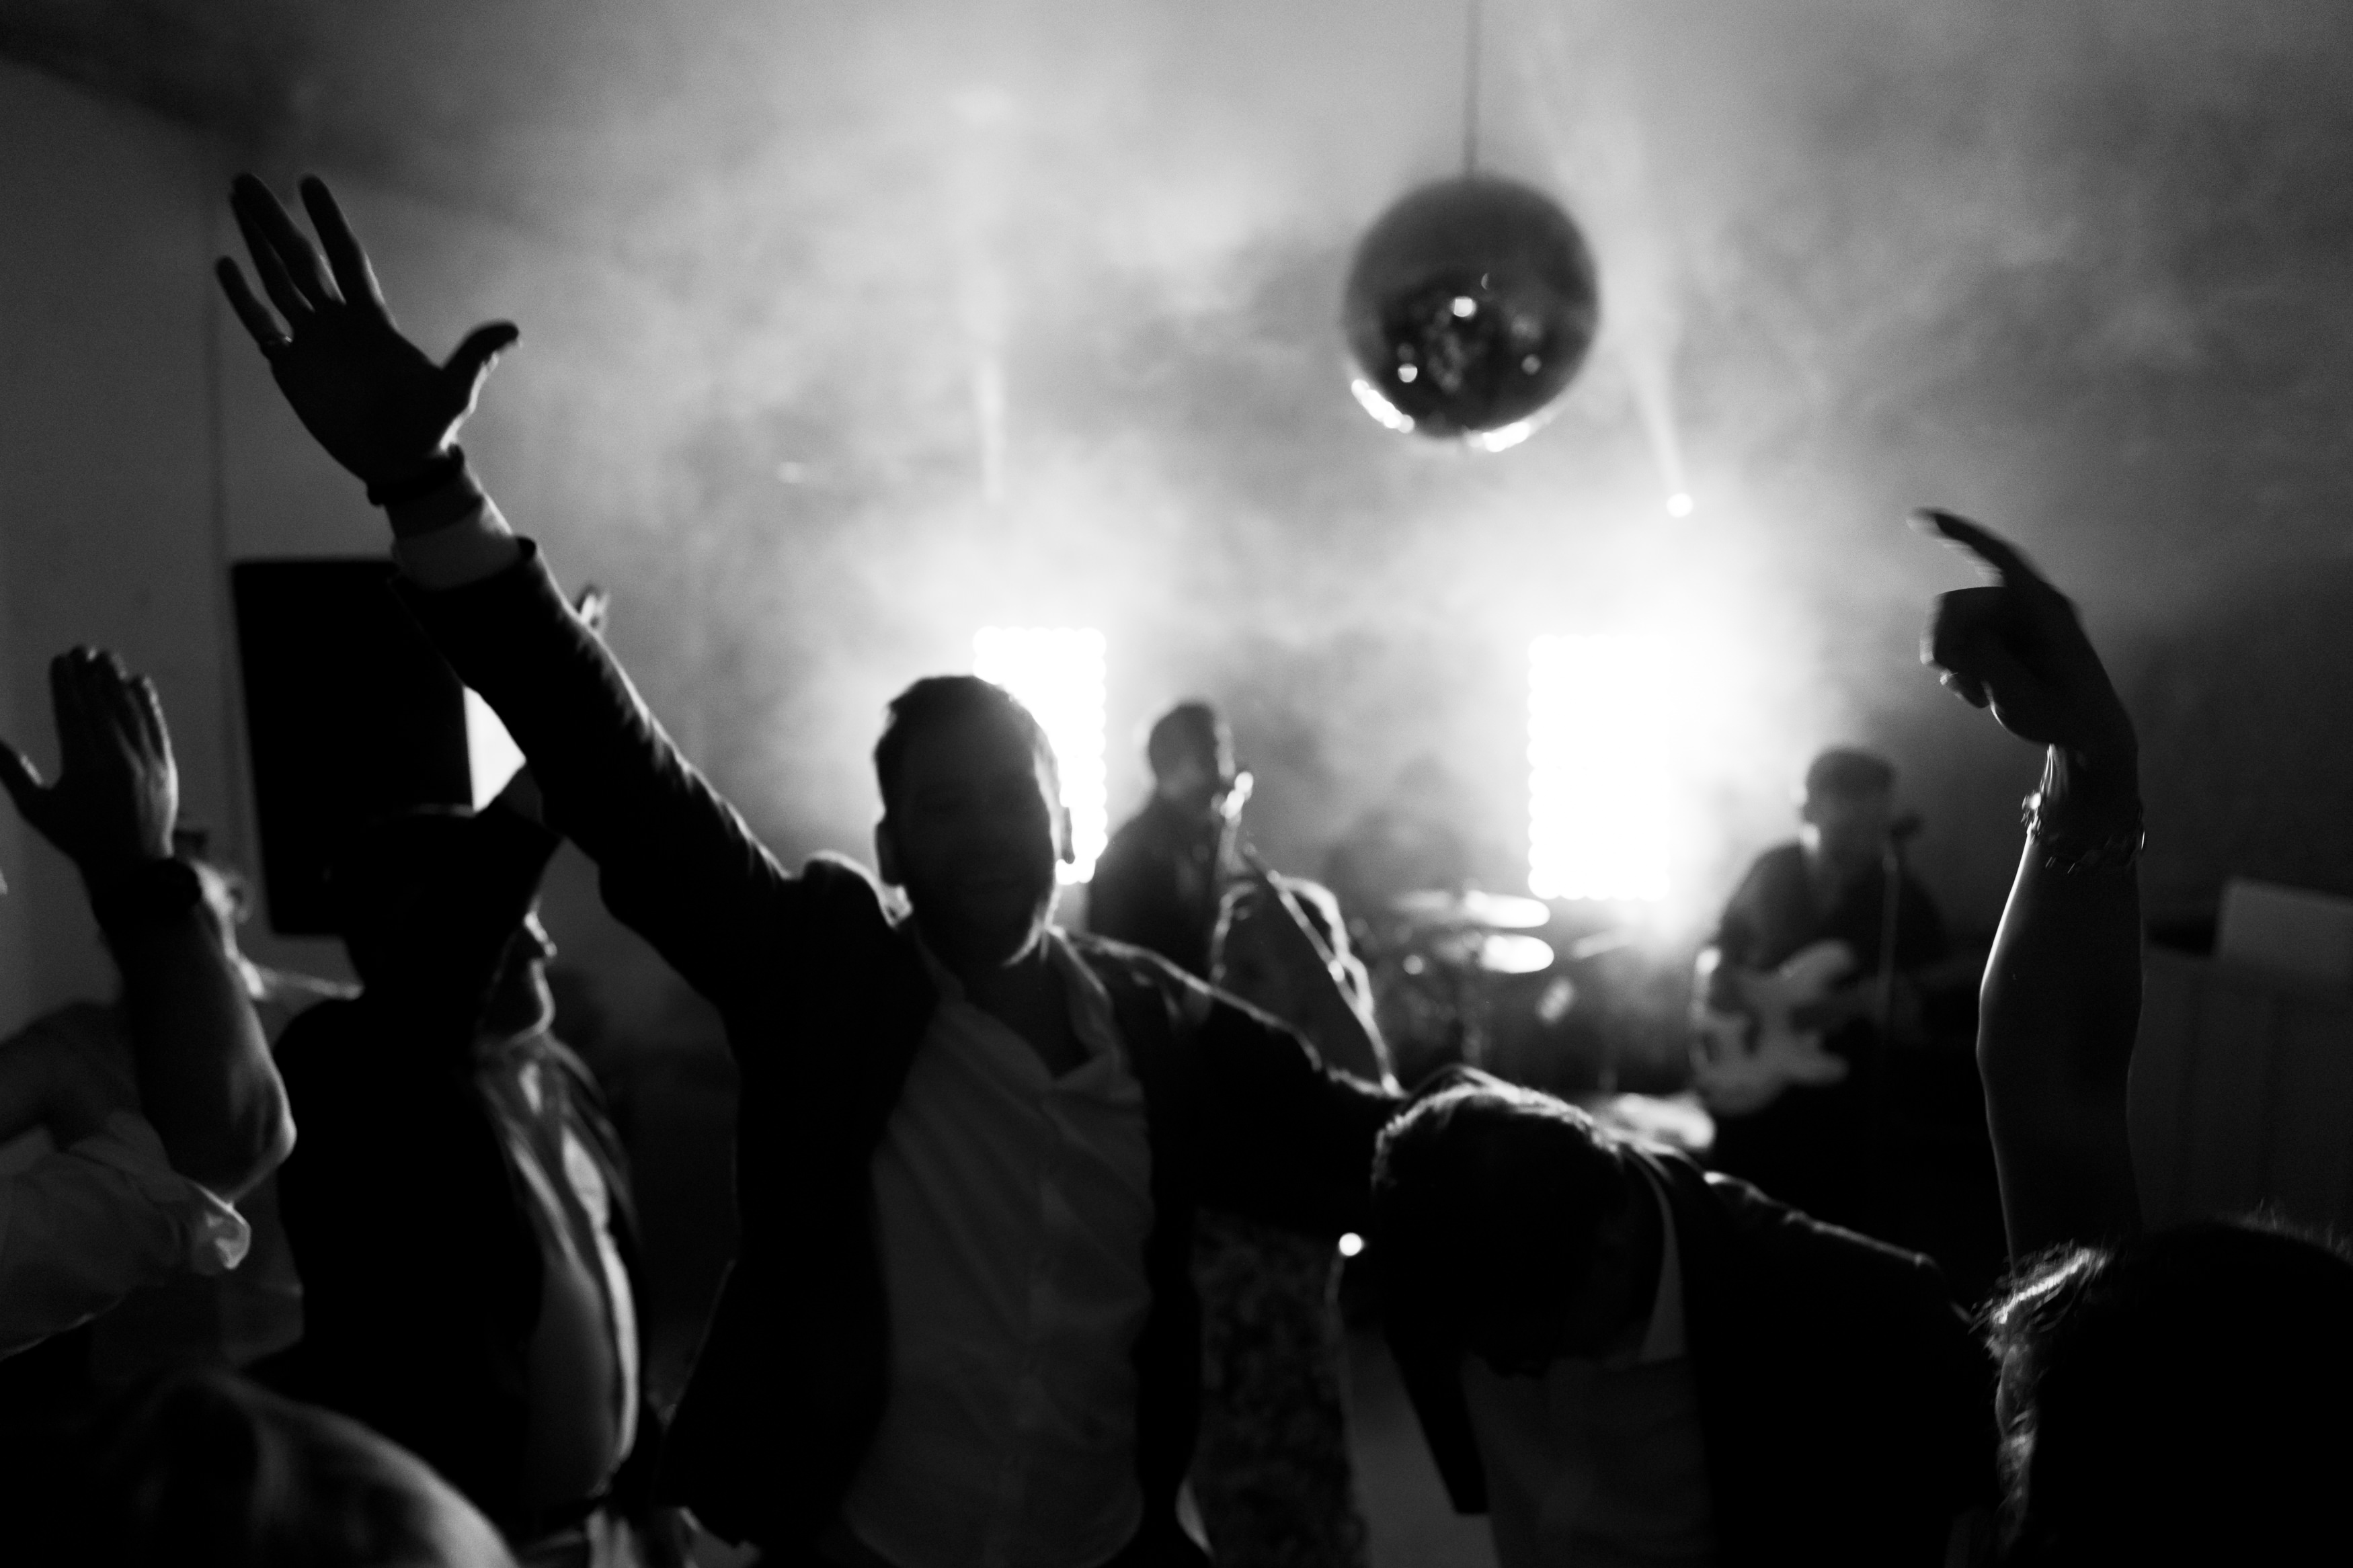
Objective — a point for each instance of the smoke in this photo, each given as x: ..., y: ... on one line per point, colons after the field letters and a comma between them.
x: 851, y: 328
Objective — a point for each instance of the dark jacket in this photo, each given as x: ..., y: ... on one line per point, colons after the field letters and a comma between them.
x: 421, y: 1268
x: 826, y: 1001
x: 1156, y: 886
x: 1847, y: 1407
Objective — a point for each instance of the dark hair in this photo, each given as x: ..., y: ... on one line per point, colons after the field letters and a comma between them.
x: 1844, y: 773
x: 1485, y: 1191
x: 938, y: 701
x: 426, y: 901
x: 205, y: 1468
x: 1190, y: 729
x: 2186, y: 1396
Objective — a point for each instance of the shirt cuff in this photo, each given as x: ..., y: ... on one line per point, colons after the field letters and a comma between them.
x: 452, y: 538
x: 214, y: 1236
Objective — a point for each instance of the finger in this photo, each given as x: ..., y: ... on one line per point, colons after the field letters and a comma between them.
x: 345, y: 258
x: 270, y: 269
x: 67, y: 707
x: 148, y: 704
x: 1962, y: 686
x: 295, y: 251
x: 22, y: 779
x: 1980, y: 541
x: 593, y: 606
x: 110, y: 703
x: 263, y: 326
x: 472, y: 358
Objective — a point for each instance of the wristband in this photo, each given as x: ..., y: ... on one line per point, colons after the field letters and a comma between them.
x: 441, y: 468
x: 158, y: 891
x: 2071, y: 846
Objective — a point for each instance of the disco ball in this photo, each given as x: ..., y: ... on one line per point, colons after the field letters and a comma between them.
x: 1471, y: 305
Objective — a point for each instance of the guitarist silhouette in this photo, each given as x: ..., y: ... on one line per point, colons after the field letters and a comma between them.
x: 1810, y: 956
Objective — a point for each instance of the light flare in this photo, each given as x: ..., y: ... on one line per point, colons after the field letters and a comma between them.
x: 1056, y: 672
x: 1601, y: 713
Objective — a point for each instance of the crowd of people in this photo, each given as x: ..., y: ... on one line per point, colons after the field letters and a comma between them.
x: 1039, y: 1227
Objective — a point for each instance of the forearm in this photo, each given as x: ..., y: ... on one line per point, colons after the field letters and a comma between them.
x: 205, y: 1080
x: 453, y: 537
x: 2061, y: 1008
x: 678, y: 864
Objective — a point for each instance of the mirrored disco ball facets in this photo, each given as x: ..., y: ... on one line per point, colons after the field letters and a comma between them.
x: 1470, y: 305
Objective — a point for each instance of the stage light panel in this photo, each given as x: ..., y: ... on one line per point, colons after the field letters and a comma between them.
x: 1601, y: 719
x: 1058, y: 674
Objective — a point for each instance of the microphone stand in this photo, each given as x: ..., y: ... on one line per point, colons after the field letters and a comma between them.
x: 1890, y: 901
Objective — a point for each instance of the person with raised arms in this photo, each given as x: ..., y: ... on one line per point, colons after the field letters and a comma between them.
x: 126, y: 1132
x: 2179, y: 1396
x: 960, y: 1327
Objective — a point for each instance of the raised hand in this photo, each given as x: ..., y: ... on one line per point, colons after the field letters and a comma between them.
x: 116, y: 793
x: 2016, y: 646
x: 372, y: 399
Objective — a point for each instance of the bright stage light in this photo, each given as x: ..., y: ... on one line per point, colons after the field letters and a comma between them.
x: 1351, y: 1244
x: 1601, y: 717
x: 1058, y: 674
x: 1680, y: 504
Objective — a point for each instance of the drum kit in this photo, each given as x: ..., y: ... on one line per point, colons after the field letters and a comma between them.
x: 1441, y: 962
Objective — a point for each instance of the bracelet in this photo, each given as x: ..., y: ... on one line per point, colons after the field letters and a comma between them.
x: 158, y: 891
x: 436, y: 471
x: 2076, y: 846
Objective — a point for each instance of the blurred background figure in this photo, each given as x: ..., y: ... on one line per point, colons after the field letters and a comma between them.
x: 1157, y: 882
x: 1815, y: 973
x: 1412, y: 841
x: 462, y: 1217
x: 1271, y: 1469
x: 208, y: 1470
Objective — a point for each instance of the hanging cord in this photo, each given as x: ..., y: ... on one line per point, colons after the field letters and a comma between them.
x: 1473, y: 11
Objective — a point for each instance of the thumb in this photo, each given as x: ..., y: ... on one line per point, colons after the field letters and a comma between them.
x: 472, y: 358
x: 23, y: 783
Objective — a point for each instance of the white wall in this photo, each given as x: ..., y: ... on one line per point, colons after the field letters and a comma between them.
x: 142, y: 446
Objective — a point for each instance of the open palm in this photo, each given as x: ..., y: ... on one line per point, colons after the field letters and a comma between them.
x: 372, y: 398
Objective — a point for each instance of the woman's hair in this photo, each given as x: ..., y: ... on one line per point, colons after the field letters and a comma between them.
x: 204, y: 1468
x: 1483, y: 1191
x: 2184, y: 1396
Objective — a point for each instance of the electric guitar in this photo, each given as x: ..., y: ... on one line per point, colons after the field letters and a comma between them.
x: 1742, y: 1059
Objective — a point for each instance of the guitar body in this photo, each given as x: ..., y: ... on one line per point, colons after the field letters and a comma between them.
x: 1743, y: 1060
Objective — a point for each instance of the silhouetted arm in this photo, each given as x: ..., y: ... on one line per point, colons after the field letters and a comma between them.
x: 206, y: 1081
x: 2060, y: 1002
x: 677, y: 864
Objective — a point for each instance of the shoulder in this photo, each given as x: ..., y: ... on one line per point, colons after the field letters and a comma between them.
x: 1136, y: 836
x: 845, y: 897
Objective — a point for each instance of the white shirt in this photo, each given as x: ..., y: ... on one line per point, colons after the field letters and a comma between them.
x: 84, y: 1227
x: 1598, y: 1464
x: 583, y: 1359
x: 1012, y: 1212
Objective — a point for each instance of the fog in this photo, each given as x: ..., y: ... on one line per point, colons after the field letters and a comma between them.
x: 956, y: 313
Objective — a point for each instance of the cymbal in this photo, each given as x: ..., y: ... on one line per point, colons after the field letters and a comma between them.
x: 1435, y: 908
x: 1502, y: 953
